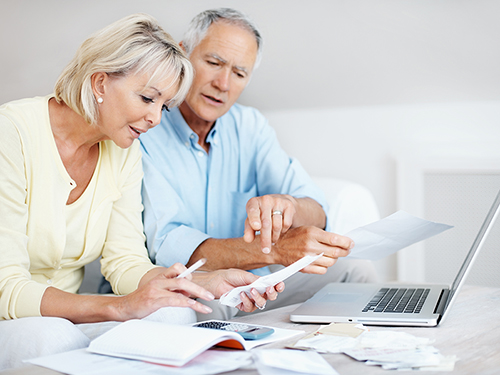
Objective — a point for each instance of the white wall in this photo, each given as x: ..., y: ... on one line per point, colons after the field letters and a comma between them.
x: 363, y: 144
x: 348, y: 85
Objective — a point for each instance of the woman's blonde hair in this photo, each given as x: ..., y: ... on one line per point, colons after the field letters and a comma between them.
x: 133, y: 44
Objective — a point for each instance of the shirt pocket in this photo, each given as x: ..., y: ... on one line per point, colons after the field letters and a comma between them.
x: 239, y: 214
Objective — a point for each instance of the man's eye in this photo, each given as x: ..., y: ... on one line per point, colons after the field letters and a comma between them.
x: 165, y: 108
x: 146, y: 99
x: 212, y: 63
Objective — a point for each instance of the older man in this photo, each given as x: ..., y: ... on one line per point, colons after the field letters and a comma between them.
x: 217, y: 184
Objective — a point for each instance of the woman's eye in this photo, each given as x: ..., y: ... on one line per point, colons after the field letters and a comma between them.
x: 146, y: 99
x: 165, y: 108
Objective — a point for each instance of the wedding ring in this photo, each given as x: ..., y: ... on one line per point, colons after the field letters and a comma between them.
x: 261, y: 307
x: 277, y: 212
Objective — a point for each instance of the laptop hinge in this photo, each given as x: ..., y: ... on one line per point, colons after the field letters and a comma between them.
x: 441, y: 303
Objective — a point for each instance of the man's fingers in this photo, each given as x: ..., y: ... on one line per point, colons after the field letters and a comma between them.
x: 341, y: 241
x: 265, y: 235
x: 254, y: 214
x: 277, y: 226
x: 249, y: 234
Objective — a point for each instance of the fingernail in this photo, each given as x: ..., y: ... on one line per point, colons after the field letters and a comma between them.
x: 209, y: 295
x: 191, y: 301
x: 254, y: 292
x: 207, y: 309
x: 266, y: 250
x: 351, y: 245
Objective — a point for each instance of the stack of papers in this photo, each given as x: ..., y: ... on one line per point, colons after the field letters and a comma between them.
x: 390, y: 349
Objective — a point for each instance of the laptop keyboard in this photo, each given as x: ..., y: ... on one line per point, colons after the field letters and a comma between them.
x: 398, y: 300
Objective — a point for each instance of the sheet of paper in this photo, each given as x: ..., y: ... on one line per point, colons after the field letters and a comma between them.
x: 391, y: 234
x: 232, y: 298
x: 82, y: 362
x: 288, y: 362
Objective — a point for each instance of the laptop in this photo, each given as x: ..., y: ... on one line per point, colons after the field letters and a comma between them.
x: 392, y: 304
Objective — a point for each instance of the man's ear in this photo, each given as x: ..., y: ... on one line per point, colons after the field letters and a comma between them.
x: 98, y: 82
x: 181, y: 44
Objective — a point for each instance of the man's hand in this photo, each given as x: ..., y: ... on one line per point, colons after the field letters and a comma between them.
x: 272, y: 215
x: 308, y: 240
x: 222, y: 281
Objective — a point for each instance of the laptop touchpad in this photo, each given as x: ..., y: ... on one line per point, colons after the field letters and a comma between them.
x: 340, y: 297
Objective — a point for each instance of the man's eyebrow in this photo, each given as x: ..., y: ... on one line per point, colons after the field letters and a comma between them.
x: 217, y: 57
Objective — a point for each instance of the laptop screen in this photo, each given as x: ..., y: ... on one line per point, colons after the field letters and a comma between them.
x: 478, y: 242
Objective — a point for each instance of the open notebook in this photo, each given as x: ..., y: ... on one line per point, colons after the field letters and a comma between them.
x: 170, y: 344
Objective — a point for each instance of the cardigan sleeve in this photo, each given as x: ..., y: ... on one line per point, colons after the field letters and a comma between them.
x: 124, y: 258
x: 19, y: 295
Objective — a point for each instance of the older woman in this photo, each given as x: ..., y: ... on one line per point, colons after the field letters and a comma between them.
x: 70, y: 192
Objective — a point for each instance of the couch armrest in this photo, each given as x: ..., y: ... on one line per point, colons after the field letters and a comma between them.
x: 351, y: 205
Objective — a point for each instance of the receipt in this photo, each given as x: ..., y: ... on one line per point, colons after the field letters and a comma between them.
x: 232, y: 298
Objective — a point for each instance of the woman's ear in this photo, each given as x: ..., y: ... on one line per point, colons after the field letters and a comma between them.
x: 98, y: 81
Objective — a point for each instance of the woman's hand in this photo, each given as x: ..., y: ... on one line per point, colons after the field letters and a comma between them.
x: 222, y: 281
x: 159, y: 288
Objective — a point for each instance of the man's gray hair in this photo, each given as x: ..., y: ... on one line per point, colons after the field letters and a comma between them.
x: 199, y: 26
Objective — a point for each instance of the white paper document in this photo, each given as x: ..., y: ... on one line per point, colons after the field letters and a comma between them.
x: 83, y: 362
x: 391, y: 234
x: 291, y: 362
x: 232, y: 298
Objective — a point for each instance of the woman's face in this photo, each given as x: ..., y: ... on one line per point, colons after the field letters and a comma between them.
x: 130, y: 106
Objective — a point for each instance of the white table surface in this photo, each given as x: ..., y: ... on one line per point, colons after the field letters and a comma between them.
x: 471, y: 332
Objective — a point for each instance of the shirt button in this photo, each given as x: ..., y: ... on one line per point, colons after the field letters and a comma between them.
x: 200, y: 153
x: 187, y: 144
x: 191, y: 136
x: 211, y: 225
x: 216, y: 142
x: 49, y: 281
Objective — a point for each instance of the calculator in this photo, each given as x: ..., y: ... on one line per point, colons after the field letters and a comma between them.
x: 247, y: 331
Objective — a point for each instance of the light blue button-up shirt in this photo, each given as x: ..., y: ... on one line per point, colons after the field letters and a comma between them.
x: 190, y: 195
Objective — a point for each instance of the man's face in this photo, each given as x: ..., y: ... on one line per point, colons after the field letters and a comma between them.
x: 223, y: 63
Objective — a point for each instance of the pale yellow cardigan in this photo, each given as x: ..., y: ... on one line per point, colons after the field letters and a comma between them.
x: 34, y: 188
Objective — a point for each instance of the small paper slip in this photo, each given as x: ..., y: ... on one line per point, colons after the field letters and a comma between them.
x: 232, y: 298
x: 393, y: 233
x: 333, y: 338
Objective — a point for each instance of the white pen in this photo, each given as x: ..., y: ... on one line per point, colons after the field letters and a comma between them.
x: 193, y: 268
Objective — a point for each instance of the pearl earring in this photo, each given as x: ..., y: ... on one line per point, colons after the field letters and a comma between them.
x: 100, y: 100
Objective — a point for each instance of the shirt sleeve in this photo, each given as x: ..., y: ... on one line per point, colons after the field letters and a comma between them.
x: 124, y: 257
x: 19, y: 295
x: 170, y: 235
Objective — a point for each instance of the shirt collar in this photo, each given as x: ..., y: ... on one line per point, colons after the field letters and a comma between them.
x: 184, y: 132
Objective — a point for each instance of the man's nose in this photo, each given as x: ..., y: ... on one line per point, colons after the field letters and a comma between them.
x: 222, y: 80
